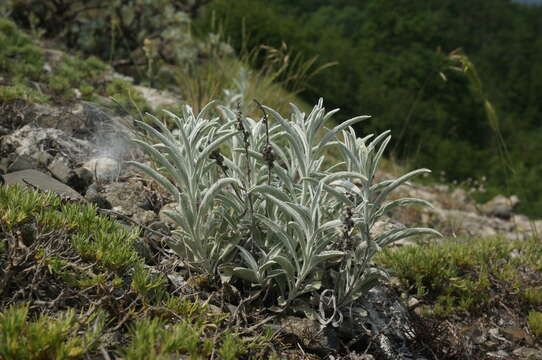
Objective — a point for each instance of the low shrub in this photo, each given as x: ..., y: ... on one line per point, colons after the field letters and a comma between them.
x: 469, y: 275
x: 81, y: 269
x: 257, y: 204
x: 535, y: 323
x: 67, y: 337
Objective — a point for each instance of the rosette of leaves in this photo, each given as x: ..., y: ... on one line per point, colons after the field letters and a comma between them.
x: 258, y: 203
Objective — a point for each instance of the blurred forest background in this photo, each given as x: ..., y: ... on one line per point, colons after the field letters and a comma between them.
x: 459, y: 83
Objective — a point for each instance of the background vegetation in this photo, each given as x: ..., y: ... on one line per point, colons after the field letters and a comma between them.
x: 398, y: 61
x: 457, y: 83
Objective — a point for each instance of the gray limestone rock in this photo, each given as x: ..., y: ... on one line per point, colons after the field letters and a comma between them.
x: 30, y: 140
x: 145, y: 217
x: 500, y: 206
x: 61, y: 170
x: 4, y: 164
x: 103, y: 168
x: 83, y: 179
x: 528, y: 353
x: 41, y: 181
x: 158, y: 98
x: 43, y: 158
x: 22, y: 162
x: 309, y: 334
x: 79, y: 179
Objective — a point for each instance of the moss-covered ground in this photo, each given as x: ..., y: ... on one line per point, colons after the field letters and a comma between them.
x: 28, y: 72
x: 73, y: 286
x: 461, y: 275
x: 468, y: 282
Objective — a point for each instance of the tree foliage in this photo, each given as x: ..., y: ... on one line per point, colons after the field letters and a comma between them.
x: 396, y: 60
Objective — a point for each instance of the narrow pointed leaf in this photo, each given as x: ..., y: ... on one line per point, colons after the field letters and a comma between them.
x: 396, y: 183
x: 211, y: 193
x: 156, y: 176
x: 331, y: 133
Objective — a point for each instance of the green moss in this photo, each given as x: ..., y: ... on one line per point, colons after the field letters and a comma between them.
x: 94, y: 236
x: 61, y: 86
x: 535, y: 323
x: 195, y: 334
x: 232, y: 347
x: 74, y: 275
x: 531, y: 252
x: 160, y: 326
x: 154, y: 338
x: 91, y: 66
x: 463, y: 275
x: 21, y: 91
x: 127, y: 96
x: 150, y: 286
x: 22, y: 63
x: 151, y: 339
x: 65, y: 337
x: 87, y: 91
x: 533, y: 296
x: 185, y: 308
x: 19, y: 56
x: 76, y: 73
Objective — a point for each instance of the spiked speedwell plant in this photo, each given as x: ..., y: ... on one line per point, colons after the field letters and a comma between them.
x: 257, y: 203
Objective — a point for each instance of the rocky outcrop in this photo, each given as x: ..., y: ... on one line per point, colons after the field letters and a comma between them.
x: 454, y: 213
x: 500, y: 207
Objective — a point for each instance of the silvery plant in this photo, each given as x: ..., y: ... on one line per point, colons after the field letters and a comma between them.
x: 259, y: 202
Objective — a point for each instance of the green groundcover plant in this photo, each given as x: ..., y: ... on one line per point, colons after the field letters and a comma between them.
x: 259, y: 203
